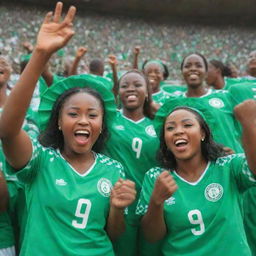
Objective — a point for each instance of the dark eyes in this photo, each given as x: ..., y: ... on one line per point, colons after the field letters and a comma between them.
x: 72, y: 114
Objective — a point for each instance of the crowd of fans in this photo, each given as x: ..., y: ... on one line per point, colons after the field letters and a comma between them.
x: 118, y: 35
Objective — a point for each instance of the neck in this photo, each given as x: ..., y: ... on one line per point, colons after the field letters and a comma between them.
x: 135, y: 115
x: 197, y: 91
x: 191, y: 170
x: 80, y: 162
x: 219, y: 84
x: 3, y: 95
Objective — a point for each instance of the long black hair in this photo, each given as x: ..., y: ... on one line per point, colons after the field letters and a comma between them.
x: 210, y: 149
x: 53, y: 137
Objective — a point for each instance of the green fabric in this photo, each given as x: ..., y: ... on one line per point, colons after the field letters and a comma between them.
x: 204, y: 217
x: 67, y: 211
x: 52, y: 93
x: 173, y: 90
x: 160, y: 97
x: 236, y: 81
x: 240, y: 93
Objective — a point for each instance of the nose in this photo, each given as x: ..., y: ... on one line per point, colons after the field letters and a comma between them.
x: 179, y: 130
x: 83, y: 120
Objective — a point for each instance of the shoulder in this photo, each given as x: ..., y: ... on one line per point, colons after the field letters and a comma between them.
x: 226, y: 160
x: 105, y: 160
x: 154, y: 172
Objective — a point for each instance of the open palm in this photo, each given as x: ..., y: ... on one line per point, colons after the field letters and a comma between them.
x: 54, y: 33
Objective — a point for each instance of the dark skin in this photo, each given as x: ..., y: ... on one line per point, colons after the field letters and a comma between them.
x: 53, y: 35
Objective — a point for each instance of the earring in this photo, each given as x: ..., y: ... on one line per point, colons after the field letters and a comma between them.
x: 202, y: 139
x: 59, y: 128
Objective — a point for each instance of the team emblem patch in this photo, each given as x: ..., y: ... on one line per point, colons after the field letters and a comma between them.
x: 216, y: 103
x: 104, y: 187
x: 213, y: 192
x: 150, y: 130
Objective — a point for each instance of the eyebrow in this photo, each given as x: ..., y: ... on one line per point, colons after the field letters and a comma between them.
x: 183, y: 121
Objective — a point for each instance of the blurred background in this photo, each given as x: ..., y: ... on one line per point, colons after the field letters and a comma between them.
x: 164, y: 29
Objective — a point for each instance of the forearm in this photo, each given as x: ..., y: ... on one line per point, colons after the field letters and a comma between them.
x: 153, y: 224
x: 249, y: 143
x: 4, y: 196
x: 18, y: 102
x: 115, y: 80
x: 115, y: 223
x: 74, y: 66
x: 48, y: 77
x: 135, y: 62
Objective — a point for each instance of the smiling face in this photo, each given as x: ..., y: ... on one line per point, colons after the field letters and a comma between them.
x: 80, y: 120
x: 133, y: 91
x: 183, y: 135
x: 154, y: 73
x: 194, y: 70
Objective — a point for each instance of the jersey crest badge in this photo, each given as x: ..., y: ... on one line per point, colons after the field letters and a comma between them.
x: 104, y: 187
x: 150, y: 130
x: 216, y: 103
x: 213, y: 192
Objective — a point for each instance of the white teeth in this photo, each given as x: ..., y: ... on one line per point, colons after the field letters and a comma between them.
x: 193, y: 76
x: 131, y: 97
x: 82, y: 132
x: 180, y: 141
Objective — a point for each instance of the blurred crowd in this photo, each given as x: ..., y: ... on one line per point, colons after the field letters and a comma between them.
x: 104, y: 35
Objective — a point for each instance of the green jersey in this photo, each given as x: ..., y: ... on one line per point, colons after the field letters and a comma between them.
x: 218, y: 111
x: 204, y: 217
x: 173, y: 90
x: 67, y: 211
x: 160, y: 97
x: 134, y: 144
x: 239, y: 94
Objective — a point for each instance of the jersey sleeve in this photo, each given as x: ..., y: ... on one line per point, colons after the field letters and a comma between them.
x: 146, y: 191
x: 243, y: 175
x: 29, y: 172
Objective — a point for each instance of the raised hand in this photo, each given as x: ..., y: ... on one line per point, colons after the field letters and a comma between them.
x: 164, y: 188
x: 81, y: 51
x: 123, y: 194
x: 112, y: 60
x: 245, y: 112
x: 136, y: 50
x: 28, y: 46
x: 54, y: 33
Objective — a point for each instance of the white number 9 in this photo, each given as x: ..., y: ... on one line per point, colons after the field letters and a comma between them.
x: 136, y: 146
x: 84, y: 215
x: 195, y: 217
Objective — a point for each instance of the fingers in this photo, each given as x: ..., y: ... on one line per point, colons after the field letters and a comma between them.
x: 48, y: 17
x: 124, y: 189
x: 57, y: 12
x: 70, y: 15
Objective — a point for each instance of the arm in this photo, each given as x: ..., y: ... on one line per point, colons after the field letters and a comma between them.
x: 136, y: 56
x: 122, y: 195
x: 153, y: 223
x: 113, y: 64
x: 4, y: 196
x: 28, y: 47
x: 47, y: 75
x: 245, y: 113
x: 53, y: 35
x: 81, y: 51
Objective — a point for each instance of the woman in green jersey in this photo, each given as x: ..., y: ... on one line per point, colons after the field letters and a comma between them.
x: 193, y: 199
x: 215, y: 104
x: 133, y: 142
x: 216, y: 74
x: 75, y: 196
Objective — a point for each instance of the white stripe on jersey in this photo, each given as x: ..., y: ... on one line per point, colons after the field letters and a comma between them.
x: 8, y: 251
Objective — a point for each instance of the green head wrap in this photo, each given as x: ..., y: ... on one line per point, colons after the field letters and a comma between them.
x: 94, y: 82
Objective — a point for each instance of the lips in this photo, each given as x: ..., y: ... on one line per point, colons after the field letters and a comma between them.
x: 180, y: 144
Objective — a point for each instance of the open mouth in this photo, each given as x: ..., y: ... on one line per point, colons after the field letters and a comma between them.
x: 181, y: 144
x: 82, y: 136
